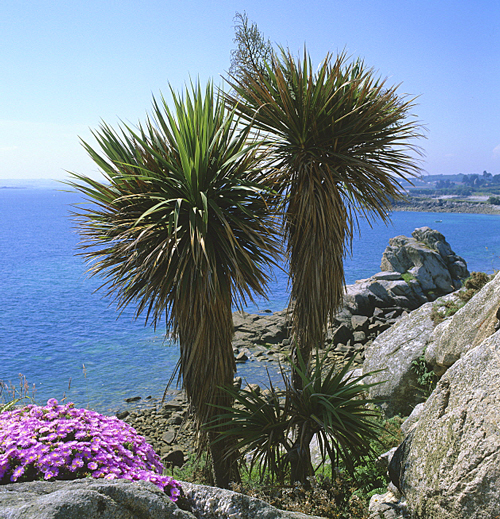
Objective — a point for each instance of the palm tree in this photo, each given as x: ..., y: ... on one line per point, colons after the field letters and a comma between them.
x: 180, y: 227
x: 341, y: 143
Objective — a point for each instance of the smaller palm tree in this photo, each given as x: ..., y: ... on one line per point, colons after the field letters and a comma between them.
x: 181, y: 228
x: 276, y: 427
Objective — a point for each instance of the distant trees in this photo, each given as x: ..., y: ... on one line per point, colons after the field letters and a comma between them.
x: 444, y: 184
x: 471, y: 180
x: 476, y: 181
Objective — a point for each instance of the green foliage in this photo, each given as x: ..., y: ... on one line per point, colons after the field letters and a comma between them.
x: 476, y: 281
x: 330, y: 493
x: 494, y: 200
x: 426, y: 378
x: 332, y: 405
x: 441, y: 310
x: 181, y: 227
x: 473, y: 284
x: 408, y: 276
x: 466, y: 295
x: 341, y: 143
x: 196, y: 470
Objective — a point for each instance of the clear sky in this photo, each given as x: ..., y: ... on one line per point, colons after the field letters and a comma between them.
x: 66, y: 65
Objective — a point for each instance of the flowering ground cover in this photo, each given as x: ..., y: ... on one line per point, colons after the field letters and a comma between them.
x: 60, y: 442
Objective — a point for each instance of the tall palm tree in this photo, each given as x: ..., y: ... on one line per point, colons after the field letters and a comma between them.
x: 341, y: 141
x: 181, y: 228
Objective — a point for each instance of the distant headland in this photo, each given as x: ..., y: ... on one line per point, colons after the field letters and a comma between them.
x: 446, y: 205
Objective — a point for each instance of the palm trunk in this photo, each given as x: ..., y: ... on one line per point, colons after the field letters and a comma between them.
x: 225, y: 466
x: 300, y: 460
x: 207, y: 364
x: 316, y: 229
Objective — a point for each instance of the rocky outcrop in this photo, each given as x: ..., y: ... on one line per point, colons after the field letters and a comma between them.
x: 448, y: 467
x: 122, y: 499
x: 87, y: 499
x: 392, y: 354
x: 428, y: 257
x: 413, y: 271
x: 217, y: 503
x: 466, y: 329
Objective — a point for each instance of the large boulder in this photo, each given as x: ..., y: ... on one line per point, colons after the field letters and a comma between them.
x: 122, y: 499
x: 393, y: 353
x: 413, y: 271
x: 217, y: 503
x: 87, y: 499
x: 448, y: 467
x: 428, y: 257
x: 466, y: 329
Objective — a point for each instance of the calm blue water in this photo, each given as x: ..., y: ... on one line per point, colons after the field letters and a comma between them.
x: 52, y: 323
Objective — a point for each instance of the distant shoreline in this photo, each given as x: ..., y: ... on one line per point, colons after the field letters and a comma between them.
x: 446, y: 206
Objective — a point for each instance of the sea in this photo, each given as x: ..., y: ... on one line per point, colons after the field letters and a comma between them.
x: 68, y: 341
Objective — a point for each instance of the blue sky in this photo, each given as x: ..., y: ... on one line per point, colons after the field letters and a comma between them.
x: 67, y: 65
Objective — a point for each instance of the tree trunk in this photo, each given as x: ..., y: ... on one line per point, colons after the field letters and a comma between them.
x: 225, y: 466
x: 300, y: 460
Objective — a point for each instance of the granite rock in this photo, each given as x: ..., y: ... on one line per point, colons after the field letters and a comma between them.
x: 393, y: 352
x: 448, y: 466
x: 87, y: 499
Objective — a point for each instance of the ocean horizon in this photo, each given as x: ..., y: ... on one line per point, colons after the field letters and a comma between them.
x: 69, y: 340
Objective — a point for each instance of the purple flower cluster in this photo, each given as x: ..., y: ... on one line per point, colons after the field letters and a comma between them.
x: 61, y: 442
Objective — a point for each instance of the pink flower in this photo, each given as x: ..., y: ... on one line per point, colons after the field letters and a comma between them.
x: 17, y: 473
x: 61, y: 441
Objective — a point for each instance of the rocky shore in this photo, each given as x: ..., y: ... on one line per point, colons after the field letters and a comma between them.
x: 440, y: 205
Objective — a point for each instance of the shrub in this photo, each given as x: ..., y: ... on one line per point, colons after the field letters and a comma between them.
x: 448, y: 308
x: 476, y: 280
x: 61, y: 442
x: 426, y: 377
x: 473, y: 284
